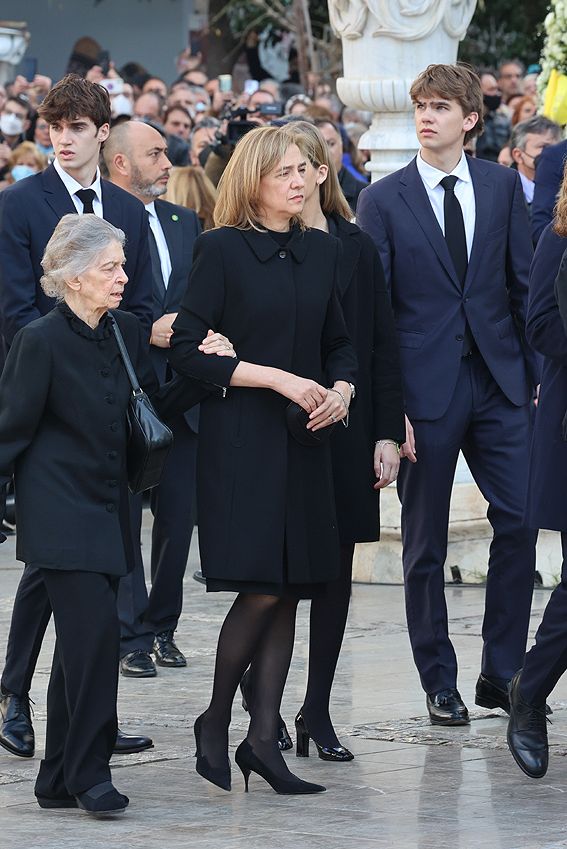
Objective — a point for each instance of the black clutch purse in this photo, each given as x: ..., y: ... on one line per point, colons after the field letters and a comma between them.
x: 297, y: 420
x: 149, y: 439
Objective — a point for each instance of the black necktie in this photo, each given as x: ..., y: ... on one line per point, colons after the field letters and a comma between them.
x: 455, y: 228
x: 86, y: 196
x: 154, y: 255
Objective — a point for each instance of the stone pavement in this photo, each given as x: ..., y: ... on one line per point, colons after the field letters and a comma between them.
x: 410, y: 787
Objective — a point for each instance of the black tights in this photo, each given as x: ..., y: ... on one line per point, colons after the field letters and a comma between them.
x: 258, y: 629
x: 326, y: 630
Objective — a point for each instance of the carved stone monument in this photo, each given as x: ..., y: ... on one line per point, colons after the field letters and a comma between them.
x: 386, y: 43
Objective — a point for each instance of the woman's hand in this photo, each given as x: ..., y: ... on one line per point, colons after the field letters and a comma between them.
x: 161, y: 330
x: 216, y: 343
x: 386, y: 463
x: 333, y: 409
x: 307, y: 393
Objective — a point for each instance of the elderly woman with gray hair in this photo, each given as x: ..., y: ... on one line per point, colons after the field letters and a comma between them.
x: 64, y: 395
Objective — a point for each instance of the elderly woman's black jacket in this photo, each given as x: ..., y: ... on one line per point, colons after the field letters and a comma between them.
x: 63, y: 401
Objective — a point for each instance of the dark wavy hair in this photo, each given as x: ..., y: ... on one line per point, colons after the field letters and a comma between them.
x: 74, y: 97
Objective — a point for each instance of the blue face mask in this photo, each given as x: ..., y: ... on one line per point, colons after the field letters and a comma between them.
x: 19, y: 172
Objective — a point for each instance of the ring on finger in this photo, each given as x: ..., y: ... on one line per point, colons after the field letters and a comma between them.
x: 333, y: 419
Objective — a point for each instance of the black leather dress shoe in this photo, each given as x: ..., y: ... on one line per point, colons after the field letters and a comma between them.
x: 491, y: 694
x: 447, y: 708
x: 129, y: 744
x: 527, y: 733
x: 138, y: 664
x: 16, y: 729
x: 166, y: 652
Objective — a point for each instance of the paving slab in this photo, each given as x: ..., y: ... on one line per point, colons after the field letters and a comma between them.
x: 411, y: 786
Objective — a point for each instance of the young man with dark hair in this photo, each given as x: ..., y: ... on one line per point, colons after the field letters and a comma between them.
x: 453, y: 235
x: 78, y: 113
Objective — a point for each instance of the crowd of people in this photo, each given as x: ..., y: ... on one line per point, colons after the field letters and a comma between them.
x: 303, y: 360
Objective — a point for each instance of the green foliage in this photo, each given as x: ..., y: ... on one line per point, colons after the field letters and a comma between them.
x: 502, y: 29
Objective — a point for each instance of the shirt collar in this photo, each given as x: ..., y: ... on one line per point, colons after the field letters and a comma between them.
x: 432, y: 176
x: 151, y: 209
x: 528, y: 186
x: 73, y: 186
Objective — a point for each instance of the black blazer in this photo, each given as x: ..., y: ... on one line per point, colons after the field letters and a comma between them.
x: 351, y: 187
x: 180, y: 227
x: 29, y: 213
x: 63, y: 400
x: 377, y: 410
x: 264, y: 499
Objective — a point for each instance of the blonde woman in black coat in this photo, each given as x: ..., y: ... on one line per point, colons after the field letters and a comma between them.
x: 64, y: 394
x: 365, y: 456
x: 267, y: 524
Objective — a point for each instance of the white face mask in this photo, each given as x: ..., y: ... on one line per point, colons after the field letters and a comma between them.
x: 121, y: 105
x: 11, y: 125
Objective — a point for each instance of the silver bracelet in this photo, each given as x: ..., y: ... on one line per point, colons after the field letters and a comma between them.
x: 381, y: 442
x: 342, y: 397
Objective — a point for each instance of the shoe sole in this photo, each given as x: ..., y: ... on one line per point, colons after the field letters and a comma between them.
x: 519, y: 762
x: 14, y: 752
x: 138, y: 674
x: 490, y: 704
x: 132, y: 751
x: 175, y: 665
x: 449, y: 722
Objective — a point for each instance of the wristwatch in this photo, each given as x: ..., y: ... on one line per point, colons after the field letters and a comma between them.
x: 352, y: 390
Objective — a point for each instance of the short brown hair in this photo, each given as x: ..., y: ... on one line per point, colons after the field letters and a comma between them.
x: 458, y: 82
x: 74, y: 97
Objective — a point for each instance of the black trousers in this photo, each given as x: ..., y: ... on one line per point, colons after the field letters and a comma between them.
x: 173, y: 507
x: 83, y: 686
x: 546, y: 661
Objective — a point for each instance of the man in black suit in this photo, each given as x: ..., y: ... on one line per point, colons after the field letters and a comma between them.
x: 78, y: 114
x: 136, y: 158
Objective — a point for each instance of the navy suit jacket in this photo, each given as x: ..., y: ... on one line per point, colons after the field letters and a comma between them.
x: 549, y: 174
x: 547, y: 490
x: 29, y: 212
x: 180, y: 227
x: 430, y: 307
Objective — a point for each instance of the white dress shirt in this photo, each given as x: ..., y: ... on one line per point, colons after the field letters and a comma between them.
x: 72, y: 186
x: 464, y: 192
x: 163, y: 250
x: 528, y: 186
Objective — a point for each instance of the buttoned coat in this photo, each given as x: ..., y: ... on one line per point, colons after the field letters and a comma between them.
x: 266, y: 503
x: 377, y: 411
x: 63, y: 400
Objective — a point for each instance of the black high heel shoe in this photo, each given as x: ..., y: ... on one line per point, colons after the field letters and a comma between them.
x: 284, y: 740
x: 326, y: 753
x: 292, y: 786
x: 216, y: 775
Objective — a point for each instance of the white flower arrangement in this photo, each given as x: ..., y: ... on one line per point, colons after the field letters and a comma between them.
x: 554, y: 55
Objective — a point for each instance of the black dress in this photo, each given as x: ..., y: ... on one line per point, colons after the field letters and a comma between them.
x: 267, y: 520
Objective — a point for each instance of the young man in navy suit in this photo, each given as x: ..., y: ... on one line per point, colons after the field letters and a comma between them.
x: 136, y: 158
x: 454, y: 238
x: 78, y: 114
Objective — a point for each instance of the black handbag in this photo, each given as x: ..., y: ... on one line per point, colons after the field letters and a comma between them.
x: 297, y: 420
x: 149, y: 439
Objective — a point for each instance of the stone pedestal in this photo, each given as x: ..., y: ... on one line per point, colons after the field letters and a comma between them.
x: 386, y: 43
x: 14, y: 38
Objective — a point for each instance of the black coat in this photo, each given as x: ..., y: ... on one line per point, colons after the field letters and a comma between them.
x: 547, y: 489
x: 63, y: 400
x: 377, y: 411
x: 261, y: 494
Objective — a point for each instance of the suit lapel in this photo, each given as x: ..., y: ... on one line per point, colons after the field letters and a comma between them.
x: 56, y: 195
x: 483, y: 195
x: 111, y: 209
x: 415, y: 196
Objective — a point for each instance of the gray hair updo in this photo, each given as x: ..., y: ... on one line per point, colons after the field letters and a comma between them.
x: 76, y: 244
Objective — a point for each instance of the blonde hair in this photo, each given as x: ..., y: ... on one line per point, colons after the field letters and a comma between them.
x: 75, y: 245
x: 311, y: 143
x: 189, y: 186
x: 239, y: 202
x: 560, y: 210
x: 22, y: 150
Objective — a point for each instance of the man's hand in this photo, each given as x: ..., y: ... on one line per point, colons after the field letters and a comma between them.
x: 161, y: 330
x: 408, y: 448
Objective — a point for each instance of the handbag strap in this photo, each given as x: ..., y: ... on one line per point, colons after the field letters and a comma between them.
x: 136, y: 388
